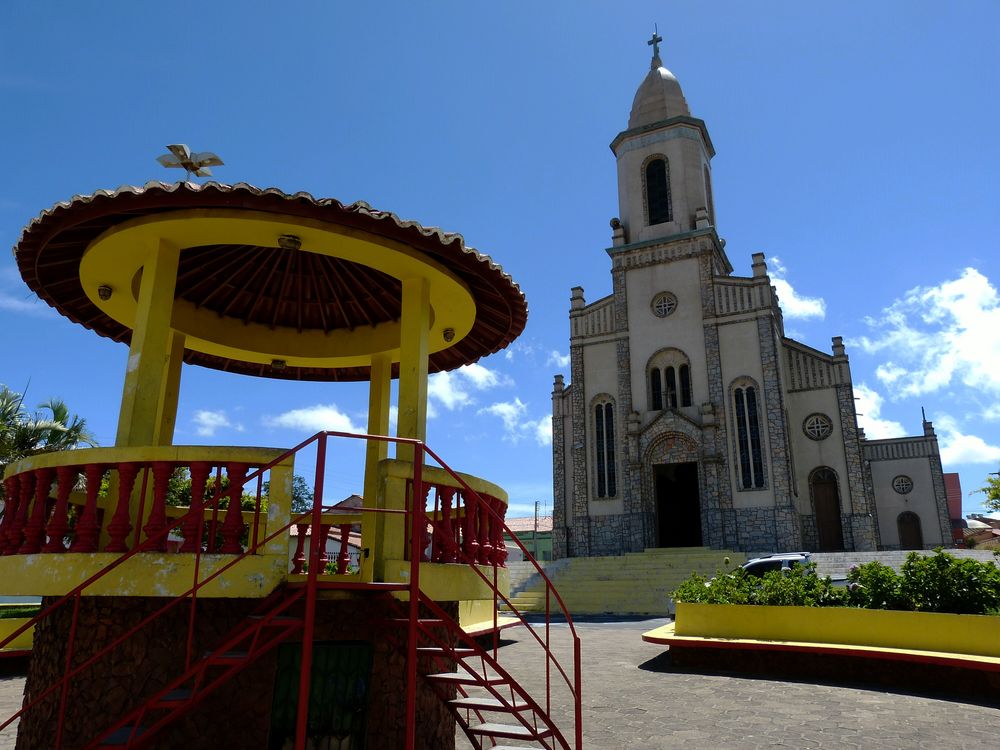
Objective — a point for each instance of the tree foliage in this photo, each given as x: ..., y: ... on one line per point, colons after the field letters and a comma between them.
x: 302, y: 494
x: 51, y: 428
x: 992, y: 492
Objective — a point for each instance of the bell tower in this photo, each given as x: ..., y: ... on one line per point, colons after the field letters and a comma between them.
x: 664, y: 161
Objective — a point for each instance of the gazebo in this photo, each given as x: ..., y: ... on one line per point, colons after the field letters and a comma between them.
x: 138, y: 645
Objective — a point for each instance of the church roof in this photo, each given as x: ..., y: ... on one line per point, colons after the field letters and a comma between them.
x: 659, y: 97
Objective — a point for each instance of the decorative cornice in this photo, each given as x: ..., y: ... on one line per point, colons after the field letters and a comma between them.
x: 672, y: 122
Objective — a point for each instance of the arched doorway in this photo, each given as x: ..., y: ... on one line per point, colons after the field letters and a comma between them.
x: 910, y: 534
x: 826, y: 507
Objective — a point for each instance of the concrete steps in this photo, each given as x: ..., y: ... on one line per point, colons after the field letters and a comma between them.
x: 634, y: 583
x: 837, y: 564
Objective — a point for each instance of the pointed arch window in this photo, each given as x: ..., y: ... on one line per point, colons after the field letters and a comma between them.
x: 604, y: 445
x: 659, y: 208
x: 685, y: 373
x: 749, y: 452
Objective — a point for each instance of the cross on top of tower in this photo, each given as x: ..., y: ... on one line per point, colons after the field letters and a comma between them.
x: 655, y: 44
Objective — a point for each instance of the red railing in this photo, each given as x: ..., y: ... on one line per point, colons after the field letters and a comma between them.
x: 464, y: 525
x: 35, y: 521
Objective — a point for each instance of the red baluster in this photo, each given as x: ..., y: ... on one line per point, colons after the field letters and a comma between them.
x: 158, y: 513
x: 27, y: 487
x: 87, y: 528
x: 35, y: 528
x: 10, y: 488
x: 501, y: 545
x: 434, y: 518
x: 232, y: 526
x: 485, y: 545
x: 299, y: 559
x: 496, y: 528
x: 195, y: 523
x: 344, y: 558
x: 449, y: 551
x: 59, y: 522
x: 324, y: 558
x: 470, y: 535
x: 121, y: 522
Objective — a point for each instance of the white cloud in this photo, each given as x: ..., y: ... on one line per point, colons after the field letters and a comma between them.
x: 315, y: 419
x: 516, y: 427
x: 558, y: 359
x: 793, y: 304
x: 207, y: 423
x: 868, y: 404
x: 959, y: 448
x: 453, y: 390
x: 938, y: 336
x: 15, y: 297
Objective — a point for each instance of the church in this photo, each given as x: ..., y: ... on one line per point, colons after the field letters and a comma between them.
x: 690, y: 419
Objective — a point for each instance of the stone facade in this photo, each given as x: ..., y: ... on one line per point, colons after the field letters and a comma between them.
x: 768, y: 423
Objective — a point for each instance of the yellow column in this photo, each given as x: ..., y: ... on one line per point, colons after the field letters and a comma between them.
x: 167, y: 415
x: 413, y: 353
x: 373, y: 525
x: 146, y: 372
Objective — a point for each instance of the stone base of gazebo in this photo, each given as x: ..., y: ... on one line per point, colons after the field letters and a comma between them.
x: 359, y: 677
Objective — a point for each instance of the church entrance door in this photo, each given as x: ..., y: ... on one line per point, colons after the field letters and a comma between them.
x: 678, y: 511
x: 826, y: 501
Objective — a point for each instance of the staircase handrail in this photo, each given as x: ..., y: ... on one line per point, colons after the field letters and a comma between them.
x: 575, y: 684
x: 152, y: 540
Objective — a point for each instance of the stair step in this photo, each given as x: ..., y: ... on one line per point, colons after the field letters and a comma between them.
x: 421, y: 621
x: 467, y: 678
x: 489, y: 704
x: 509, y: 731
x: 279, y: 620
x: 121, y: 737
x: 456, y: 652
x: 174, y: 697
x: 226, y: 657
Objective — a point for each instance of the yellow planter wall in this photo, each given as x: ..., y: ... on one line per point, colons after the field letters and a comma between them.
x: 919, y: 631
x: 23, y: 641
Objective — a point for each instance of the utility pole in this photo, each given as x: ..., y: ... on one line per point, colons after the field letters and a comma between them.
x: 534, y: 535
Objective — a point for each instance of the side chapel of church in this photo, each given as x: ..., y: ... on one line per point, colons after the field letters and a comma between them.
x: 691, y: 418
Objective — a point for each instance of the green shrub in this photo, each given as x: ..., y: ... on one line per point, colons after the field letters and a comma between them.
x: 944, y: 583
x: 799, y: 586
x: 874, y: 586
x: 936, y: 583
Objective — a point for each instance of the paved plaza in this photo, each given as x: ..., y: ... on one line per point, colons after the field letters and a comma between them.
x: 634, y: 699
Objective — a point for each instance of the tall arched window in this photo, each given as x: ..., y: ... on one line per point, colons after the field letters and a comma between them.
x: 685, y: 372
x: 658, y: 203
x: 671, y: 388
x: 669, y: 380
x: 656, y: 385
x: 604, y: 446
x: 749, y: 452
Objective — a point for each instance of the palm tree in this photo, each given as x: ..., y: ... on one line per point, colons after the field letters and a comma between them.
x: 23, y: 434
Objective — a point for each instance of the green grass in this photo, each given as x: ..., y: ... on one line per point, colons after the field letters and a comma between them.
x: 8, y: 611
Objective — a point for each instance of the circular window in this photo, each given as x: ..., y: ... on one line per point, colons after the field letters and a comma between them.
x: 663, y: 304
x: 902, y: 484
x: 817, y: 427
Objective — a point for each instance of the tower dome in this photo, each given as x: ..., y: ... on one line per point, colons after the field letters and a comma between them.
x: 659, y: 97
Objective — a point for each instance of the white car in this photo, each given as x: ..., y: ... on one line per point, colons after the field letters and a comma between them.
x: 784, y: 561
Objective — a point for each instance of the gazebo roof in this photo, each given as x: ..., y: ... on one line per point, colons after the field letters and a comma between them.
x: 274, y: 288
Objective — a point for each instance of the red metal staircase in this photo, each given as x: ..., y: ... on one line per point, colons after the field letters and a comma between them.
x: 475, y: 686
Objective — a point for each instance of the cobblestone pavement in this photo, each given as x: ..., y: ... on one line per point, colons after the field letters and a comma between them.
x: 632, y: 700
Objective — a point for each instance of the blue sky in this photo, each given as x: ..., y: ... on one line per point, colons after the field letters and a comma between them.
x: 856, y: 147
